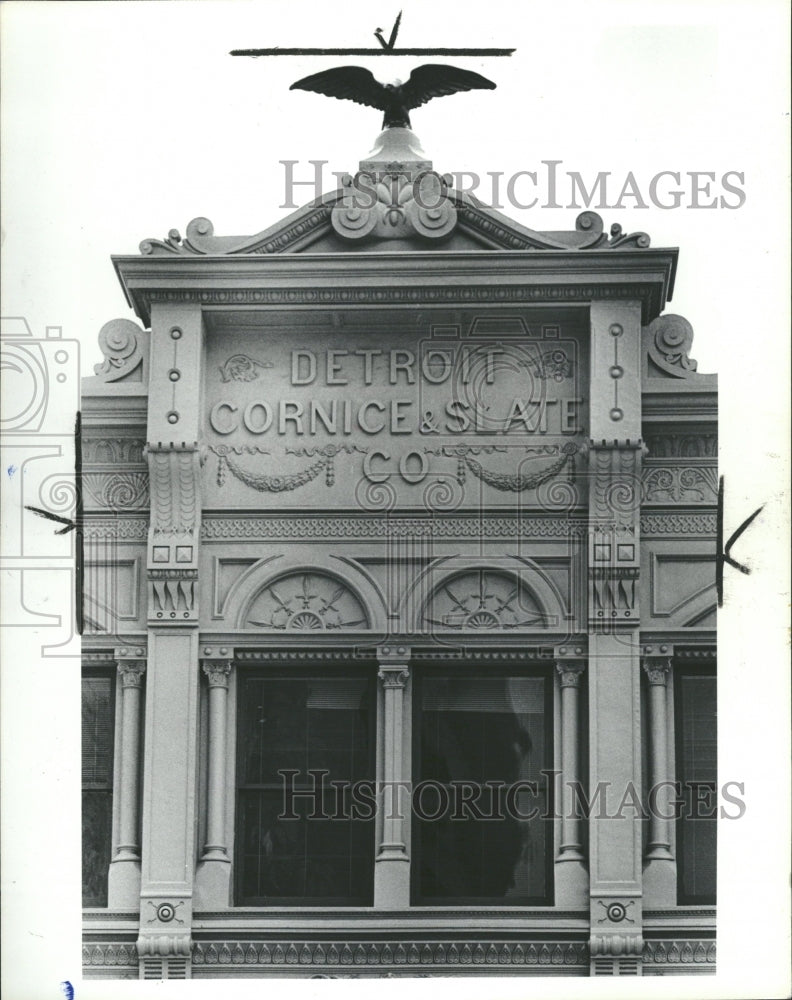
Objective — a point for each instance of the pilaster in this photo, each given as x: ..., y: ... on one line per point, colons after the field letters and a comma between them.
x: 392, y: 868
x: 615, y: 885
x: 170, y: 778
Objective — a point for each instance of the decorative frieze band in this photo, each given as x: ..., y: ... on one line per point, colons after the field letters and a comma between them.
x: 384, y: 954
x: 360, y: 526
x: 434, y: 294
x: 119, y: 956
x: 222, y: 528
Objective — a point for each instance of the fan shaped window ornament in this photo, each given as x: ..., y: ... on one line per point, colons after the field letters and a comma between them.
x: 306, y: 602
x: 485, y: 600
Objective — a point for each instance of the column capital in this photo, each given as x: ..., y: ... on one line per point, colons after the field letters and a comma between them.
x: 656, y: 662
x: 217, y: 672
x: 131, y: 672
x: 393, y: 675
x: 570, y: 672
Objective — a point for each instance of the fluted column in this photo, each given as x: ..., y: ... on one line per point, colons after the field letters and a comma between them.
x: 392, y: 868
x: 124, y: 874
x: 217, y: 675
x: 570, y: 673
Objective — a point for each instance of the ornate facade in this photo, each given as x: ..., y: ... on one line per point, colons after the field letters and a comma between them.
x: 404, y: 494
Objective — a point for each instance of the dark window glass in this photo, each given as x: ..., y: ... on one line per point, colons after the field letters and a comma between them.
x: 480, y: 796
x: 97, y: 786
x: 697, y: 770
x: 301, y: 839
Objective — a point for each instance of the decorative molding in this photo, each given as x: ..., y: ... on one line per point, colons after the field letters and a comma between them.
x: 484, y: 599
x: 283, y: 483
x: 321, y: 655
x: 708, y: 654
x: 678, y: 524
x: 589, y: 232
x: 397, y: 209
x: 116, y: 529
x: 382, y: 295
x: 306, y: 602
x: 110, y: 954
x: 615, y: 468
x: 616, y: 945
x: 389, y: 953
x: 680, y: 484
x: 241, y: 368
x: 670, y: 338
x: 398, y: 206
x: 615, y: 590
x: 172, y: 593
x: 118, y: 491
x: 514, y: 482
x: 616, y: 911
x: 125, y: 347
x: 112, y: 451
x: 672, y: 444
x: 164, y: 912
x: 200, y: 238
x: 174, y: 470
x: 323, y: 527
x: 696, y: 951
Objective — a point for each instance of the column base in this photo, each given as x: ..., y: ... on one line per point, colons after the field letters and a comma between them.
x: 392, y: 882
x: 212, y: 888
x: 660, y: 883
x: 123, y: 884
x: 571, y: 883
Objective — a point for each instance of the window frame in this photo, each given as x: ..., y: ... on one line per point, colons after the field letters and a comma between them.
x: 681, y: 669
x: 538, y: 669
x: 107, y: 788
x: 290, y: 671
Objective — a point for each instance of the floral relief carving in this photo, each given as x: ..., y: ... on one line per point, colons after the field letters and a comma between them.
x: 482, y: 600
x: 306, y: 602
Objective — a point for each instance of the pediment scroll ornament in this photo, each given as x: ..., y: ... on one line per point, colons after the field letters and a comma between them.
x: 125, y: 347
x: 669, y: 344
x: 393, y: 206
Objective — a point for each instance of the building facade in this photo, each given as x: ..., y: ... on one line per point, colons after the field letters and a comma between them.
x: 399, y: 601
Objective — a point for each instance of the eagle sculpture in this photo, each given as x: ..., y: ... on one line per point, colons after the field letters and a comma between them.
x: 397, y: 99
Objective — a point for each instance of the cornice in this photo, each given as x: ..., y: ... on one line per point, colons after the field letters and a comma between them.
x: 387, y: 279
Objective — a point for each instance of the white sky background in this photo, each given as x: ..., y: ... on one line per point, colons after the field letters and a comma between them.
x: 124, y: 120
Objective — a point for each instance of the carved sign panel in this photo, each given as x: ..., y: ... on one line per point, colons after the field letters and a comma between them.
x: 378, y: 409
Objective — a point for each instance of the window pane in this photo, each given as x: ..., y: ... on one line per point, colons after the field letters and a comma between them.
x: 481, y: 845
x: 97, y: 782
x: 698, y: 772
x: 298, y: 840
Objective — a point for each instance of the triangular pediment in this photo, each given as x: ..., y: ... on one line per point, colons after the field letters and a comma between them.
x: 395, y: 203
x: 318, y: 227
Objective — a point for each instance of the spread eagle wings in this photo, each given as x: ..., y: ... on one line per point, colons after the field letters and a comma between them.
x: 353, y: 83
